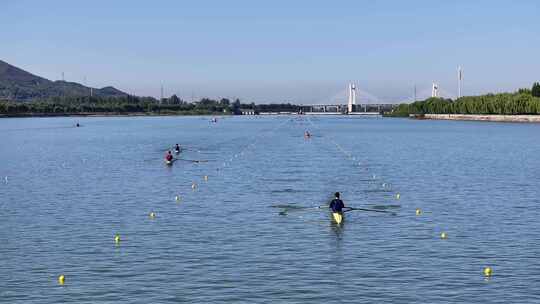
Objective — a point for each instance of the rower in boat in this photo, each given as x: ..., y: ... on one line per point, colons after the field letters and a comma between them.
x: 177, y: 149
x: 169, y: 158
x: 337, y: 206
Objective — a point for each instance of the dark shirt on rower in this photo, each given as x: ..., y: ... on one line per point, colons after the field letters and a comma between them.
x: 337, y: 205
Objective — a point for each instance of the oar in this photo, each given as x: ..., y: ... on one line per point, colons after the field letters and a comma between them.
x: 365, y: 209
x: 287, y: 210
x: 192, y: 160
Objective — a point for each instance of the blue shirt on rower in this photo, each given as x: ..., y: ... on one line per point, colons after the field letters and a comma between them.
x: 337, y: 205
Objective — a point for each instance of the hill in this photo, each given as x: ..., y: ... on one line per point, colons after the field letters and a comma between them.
x: 19, y: 85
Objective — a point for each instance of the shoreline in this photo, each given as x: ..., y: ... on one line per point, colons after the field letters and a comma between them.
x: 479, y: 117
x: 104, y: 114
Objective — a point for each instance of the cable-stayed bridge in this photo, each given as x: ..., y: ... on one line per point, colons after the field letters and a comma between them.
x: 355, y: 101
x: 345, y: 102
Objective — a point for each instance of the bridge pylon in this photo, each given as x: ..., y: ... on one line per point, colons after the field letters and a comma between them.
x: 352, y: 98
x: 435, y: 90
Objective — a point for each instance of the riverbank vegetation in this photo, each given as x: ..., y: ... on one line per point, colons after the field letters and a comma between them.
x: 133, y: 105
x: 522, y: 102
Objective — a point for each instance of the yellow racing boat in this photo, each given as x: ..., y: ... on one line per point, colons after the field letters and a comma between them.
x: 338, y: 217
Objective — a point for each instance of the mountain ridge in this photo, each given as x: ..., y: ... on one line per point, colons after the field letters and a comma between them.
x: 17, y: 84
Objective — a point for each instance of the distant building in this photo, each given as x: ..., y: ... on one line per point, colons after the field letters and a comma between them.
x: 248, y: 112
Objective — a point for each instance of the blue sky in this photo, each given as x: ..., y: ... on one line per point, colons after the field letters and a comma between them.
x: 274, y: 51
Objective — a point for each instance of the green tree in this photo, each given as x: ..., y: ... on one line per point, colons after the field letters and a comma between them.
x: 236, y: 107
x: 536, y: 89
x: 174, y: 100
x: 225, y: 102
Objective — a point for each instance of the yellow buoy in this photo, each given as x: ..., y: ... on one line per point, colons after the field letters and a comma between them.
x: 206, y: 177
x: 398, y: 196
x: 61, y: 279
x: 152, y: 215
x: 443, y: 235
x: 487, y: 271
x: 418, y: 211
x: 117, y: 239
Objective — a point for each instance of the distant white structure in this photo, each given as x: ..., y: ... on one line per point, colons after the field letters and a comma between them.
x: 460, y: 80
x: 161, y: 96
x: 352, y: 97
x: 435, y: 90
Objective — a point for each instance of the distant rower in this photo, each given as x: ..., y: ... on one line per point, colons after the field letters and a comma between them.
x: 177, y: 149
x: 168, y: 157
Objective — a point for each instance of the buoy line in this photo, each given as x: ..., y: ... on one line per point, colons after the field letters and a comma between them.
x: 443, y: 235
x: 249, y: 148
x: 264, y: 185
x: 354, y: 160
x: 246, y: 149
x: 324, y: 206
x: 206, y: 172
x: 325, y: 147
x: 61, y: 279
x: 227, y: 162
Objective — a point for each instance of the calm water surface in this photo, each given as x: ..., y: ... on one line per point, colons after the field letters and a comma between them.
x: 65, y: 192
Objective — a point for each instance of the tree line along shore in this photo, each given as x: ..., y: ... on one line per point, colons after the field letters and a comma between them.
x: 134, y: 105
x: 522, y: 102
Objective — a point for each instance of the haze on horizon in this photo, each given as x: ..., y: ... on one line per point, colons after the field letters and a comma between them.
x: 299, y: 52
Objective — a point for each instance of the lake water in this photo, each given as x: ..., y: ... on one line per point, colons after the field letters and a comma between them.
x: 239, y: 237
